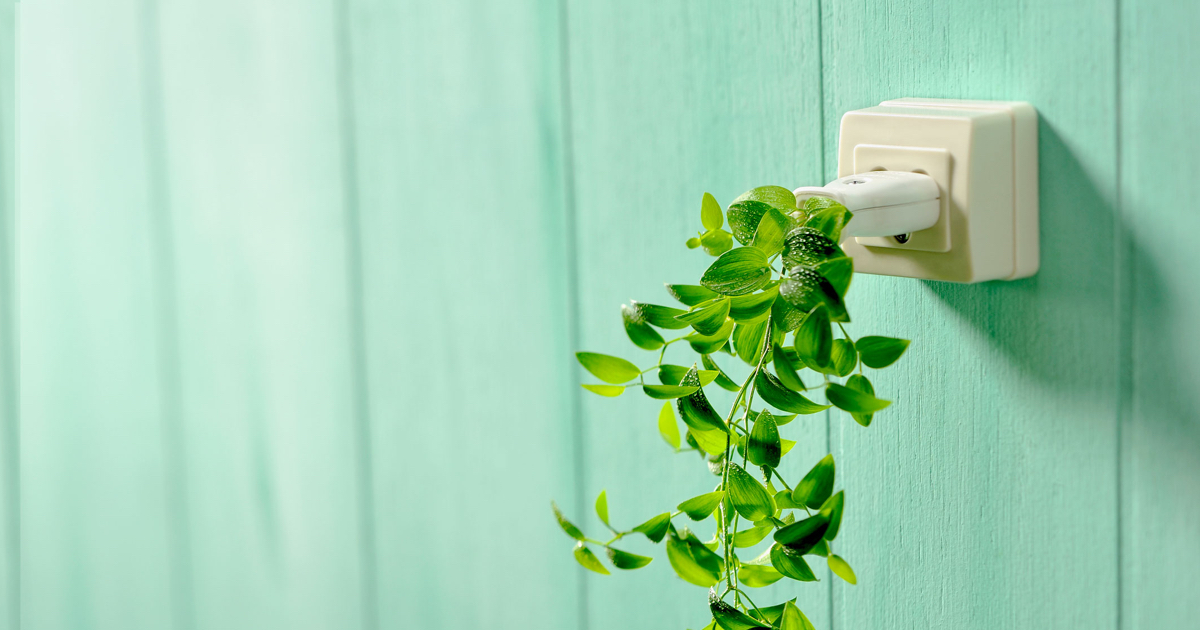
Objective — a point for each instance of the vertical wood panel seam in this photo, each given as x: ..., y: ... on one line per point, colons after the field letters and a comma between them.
x: 348, y: 137
x: 1123, y: 276
x: 162, y: 250
x: 9, y: 341
x: 566, y: 121
x: 823, y: 175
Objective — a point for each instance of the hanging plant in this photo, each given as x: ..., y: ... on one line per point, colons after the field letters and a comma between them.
x: 772, y: 300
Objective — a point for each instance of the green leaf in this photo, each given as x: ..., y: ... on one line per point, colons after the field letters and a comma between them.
x: 626, y: 560
x: 690, y: 294
x: 771, y: 614
x: 748, y: 496
x: 832, y: 510
x: 758, y: 576
x: 611, y: 391
x: 708, y: 319
x: 844, y: 356
x: 711, y: 442
x: 692, y: 561
x: 809, y: 247
x: 774, y: 196
x: 566, y: 525
x: 769, y: 236
x: 853, y: 401
x: 722, y: 380
x: 764, y: 445
x: 748, y: 341
x: 674, y: 374
x: 838, y: 272
x: 602, y: 507
x: 588, y: 559
x: 814, y: 338
x: 805, y: 288
x: 695, y: 409
x: 859, y: 383
x: 784, y: 370
x: 640, y: 333
x: 802, y: 535
x: 785, y: 445
x: 667, y: 427
x: 744, y: 217
x: 752, y: 536
x: 660, y: 316
x: 730, y: 618
x: 668, y: 392
x: 841, y: 568
x: 786, y: 317
x: 791, y: 563
x: 716, y: 242
x: 701, y: 507
x: 655, y: 528
x: 692, y: 243
x: 738, y: 272
x: 607, y: 368
x: 710, y: 213
x: 775, y: 394
x: 880, y: 352
x: 783, y: 501
x: 793, y: 619
x: 745, y: 309
x: 708, y: 344
x: 817, y: 485
x: 820, y: 549
x: 830, y: 220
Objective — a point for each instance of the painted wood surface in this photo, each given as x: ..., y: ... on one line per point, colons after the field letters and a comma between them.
x: 10, y: 498
x: 1160, y: 301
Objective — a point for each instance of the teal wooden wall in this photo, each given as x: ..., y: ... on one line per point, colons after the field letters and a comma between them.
x: 295, y: 288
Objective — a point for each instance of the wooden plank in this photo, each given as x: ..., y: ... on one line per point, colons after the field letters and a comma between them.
x: 987, y: 496
x: 460, y: 176
x: 251, y: 121
x: 10, y: 498
x: 671, y: 99
x: 95, y: 517
x: 1160, y: 516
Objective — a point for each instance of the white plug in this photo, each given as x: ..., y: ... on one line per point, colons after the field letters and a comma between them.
x: 884, y: 203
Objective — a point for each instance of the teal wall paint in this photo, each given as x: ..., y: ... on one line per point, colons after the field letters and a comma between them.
x: 299, y: 284
x: 10, y: 497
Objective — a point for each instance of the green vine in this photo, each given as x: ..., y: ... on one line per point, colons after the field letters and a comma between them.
x: 771, y: 302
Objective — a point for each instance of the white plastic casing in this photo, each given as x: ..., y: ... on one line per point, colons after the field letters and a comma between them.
x: 884, y: 203
x: 983, y: 156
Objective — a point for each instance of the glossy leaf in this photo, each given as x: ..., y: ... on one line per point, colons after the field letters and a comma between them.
x: 701, y: 507
x: 730, y: 618
x: 669, y: 392
x: 830, y: 220
x: 667, y: 427
x: 880, y: 352
x: 660, y: 316
x: 738, y: 272
x: 817, y: 485
x: 711, y: 442
x: 607, y: 368
x: 784, y: 370
x: 764, y: 447
x: 674, y: 374
x: 748, y: 340
x: 814, y: 338
x: 640, y: 333
x: 775, y: 394
x: 746, y: 309
x: 774, y: 196
x: 744, y: 217
x: 602, y: 507
x: 832, y: 510
x: 752, y: 536
x: 716, y: 242
x: 655, y: 528
x: 802, y: 535
x: 710, y: 213
x: 791, y: 563
x: 708, y: 319
x: 758, y: 576
x: 703, y: 571
x: 626, y: 560
x: 611, y: 391
x: 783, y: 501
x: 793, y: 619
x: 748, y: 496
x: 692, y: 243
x: 722, y: 379
x: 853, y: 401
x: 695, y: 410
x: 839, y: 272
x: 690, y: 294
x: 567, y: 526
x: 844, y: 357
x: 785, y: 316
x: 585, y: 557
x: 772, y: 228
x: 859, y: 383
x: 810, y: 247
x: 708, y: 344
x: 805, y: 289
x: 841, y: 568
x: 820, y: 549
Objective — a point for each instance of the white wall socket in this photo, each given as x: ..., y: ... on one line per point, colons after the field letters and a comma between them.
x: 983, y: 156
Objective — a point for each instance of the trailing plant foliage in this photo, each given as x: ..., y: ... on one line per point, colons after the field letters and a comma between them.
x: 773, y: 299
